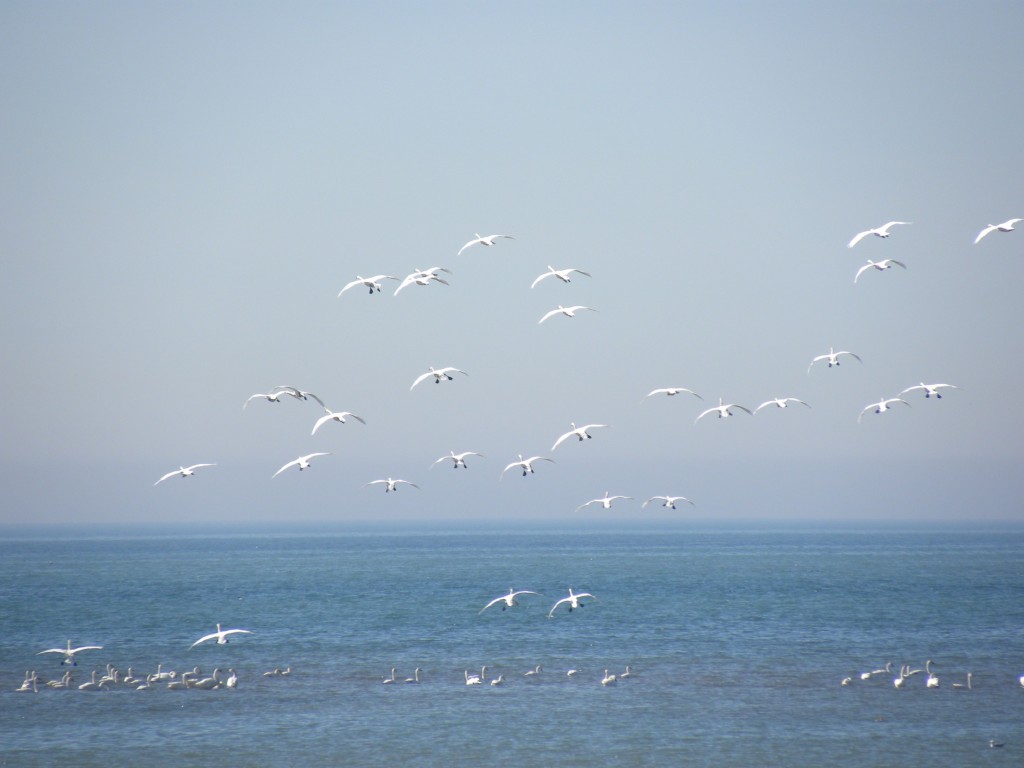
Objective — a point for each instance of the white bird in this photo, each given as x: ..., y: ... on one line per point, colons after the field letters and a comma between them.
x: 832, y: 357
x: 270, y: 397
x: 302, y: 462
x: 499, y: 680
x: 608, y: 679
x: 391, y: 484
x: 69, y: 652
x: 605, y: 501
x: 930, y: 389
x: 221, y: 636
x: 423, y: 277
x: 872, y: 673
x: 457, y: 459
x: 482, y: 240
x: 932, y: 680
x: 1006, y: 226
x: 964, y: 686
x: 881, y: 406
x: 438, y: 374
x: 183, y: 471
x: 627, y: 674
x: 508, y: 600
x: 561, y: 274
x: 93, y: 685
x: 882, y: 231
x: 781, y: 402
x: 373, y: 283
x: 723, y: 410
x: 881, y: 266
x: 671, y: 392
x: 208, y: 683
x: 389, y: 680
x: 668, y: 501
x: 338, y: 416
x: 573, y: 600
x: 298, y: 394
x: 582, y: 433
x: 537, y: 670
x: 475, y: 679
x: 525, y: 464
x: 232, y: 681
x: 567, y: 311
x: 415, y: 676
x: 901, y: 679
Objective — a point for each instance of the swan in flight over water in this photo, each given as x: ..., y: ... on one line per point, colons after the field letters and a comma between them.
x: 338, y: 416
x: 525, y: 464
x: 668, y: 501
x: 930, y: 389
x: 723, y: 410
x: 881, y: 406
x: 882, y: 231
x: 183, y: 471
x: 881, y: 266
x: 373, y: 283
x: 833, y: 358
x: 780, y: 402
x: 457, y: 459
x: 671, y: 392
x: 482, y: 240
x: 508, y: 600
x: 438, y: 374
x: 69, y: 652
x: 605, y: 501
x: 423, y: 277
x: 574, y: 600
x: 567, y: 311
x: 221, y: 636
x: 582, y: 433
x: 302, y: 462
x: 391, y: 484
x: 1006, y: 226
x: 561, y: 274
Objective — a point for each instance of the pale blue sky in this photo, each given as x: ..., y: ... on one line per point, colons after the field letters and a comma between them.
x: 187, y: 186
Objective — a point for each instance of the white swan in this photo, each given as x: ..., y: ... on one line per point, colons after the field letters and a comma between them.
x: 302, y: 462
x: 1006, y: 226
x: 373, y: 283
x: 389, y: 680
x: 92, y: 685
x: 415, y: 676
x: 882, y: 231
x: 499, y: 680
x: 475, y: 679
x: 964, y: 686
x: 533, y: 672
x: 338, y: 416
x: 574, y: 600
x: 299, y: 394
x: 561, y: 274
x: 668, y: 501
x: 608, y: 679
x: 221, y: 635
x: 232, y: 681
x: 509, y: 600
x: 932, y: 680
x: 901, y: 679
x: 183, y: 471
x: 581, y: 433
x: 605, y: 501
x: 671, y: 392
x: 457, y: 459
x: 567, y: 311
x: 69, y: 652
x: 832, y: 357
x: 438, y: 374
x: 525, y: 464
x: 482, y: 240
x: 391, y: 484
x: 885, y: 670
x: 423, y: 277
x: 880, y: 407
x: 209, y: 683
x: 930, y: 389
x: 881, y: 266
x: 627, y: 674
x: 780, y: 402
x: 722, y: 409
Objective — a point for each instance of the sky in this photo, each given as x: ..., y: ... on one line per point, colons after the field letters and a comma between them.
x: 186, y: 187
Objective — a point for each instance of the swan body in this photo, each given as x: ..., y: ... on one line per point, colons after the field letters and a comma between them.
x: 833, y: 358
x: 964, y: 686
x: 574, y: 601
x: 373, y: 283
x: 668, y: 501
x: 627, y: 674
x: 780, y: 402
x: 221, y: 636
x: 525, y: 464
x: 389, y: 680
x: 567, y: 311
x: 482, y: 240
x: 183, y: 471
x: 722, y: 409
x: 533, y: 672
x: 608, y: 679
x: 671, y: 392
x: 880, y: 407
x: 69, y: 652
x: 338, y: 416
x: 509, y: 600
x: 457, y: 459
x: 1006, y: 226
x: 302, y: 462
x: 605, y: 501
x: 208, y: 683
x: 881, y: 266
x: 415, y: 676
x: 882, y: 231
x: 391, y: 484
x: 561, y: 274
x: 499, y: 680
x: 930, y: 389
x: 93, y: 685
x: 475, y: 679
x: 581, y: 433
x: 438, y: 374
x: 872, y: 673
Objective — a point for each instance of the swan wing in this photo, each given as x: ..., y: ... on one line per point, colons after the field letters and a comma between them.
x: 354, y: 283
x: 549, y: 314
x: 204, y: 638
x: 546, y: 274
x: 420, y: 378
x: 861, y: 270
x: 321, y: 421
x: 562, y: 439
x: 291, y: 463
x: 495, y: 601
x: 858, y: 237
x: 169, y: 474
x: 467, y: 245
x: 555, y: 606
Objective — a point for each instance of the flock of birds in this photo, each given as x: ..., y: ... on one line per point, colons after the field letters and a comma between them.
x: 907, y: 671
